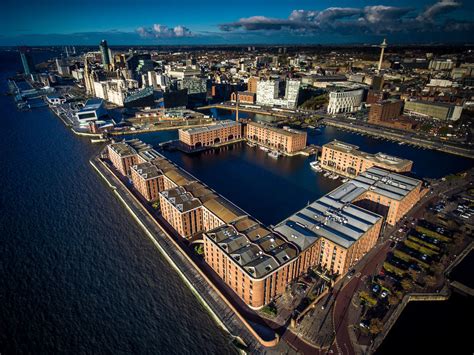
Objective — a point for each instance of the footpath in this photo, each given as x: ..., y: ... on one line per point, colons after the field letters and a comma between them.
x: 223, y: 315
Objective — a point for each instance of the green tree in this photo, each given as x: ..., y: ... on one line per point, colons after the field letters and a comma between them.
x: 376, y: 326
x: 393, y: 300
x: 407, y: 285
x: 430, y: 281
x: 437, y: 268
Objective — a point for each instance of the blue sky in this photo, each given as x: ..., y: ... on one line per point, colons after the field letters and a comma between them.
x: 50, y: 22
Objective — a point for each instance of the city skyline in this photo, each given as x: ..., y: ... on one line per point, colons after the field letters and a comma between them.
x: 301, y: 22
x: 279, y: 177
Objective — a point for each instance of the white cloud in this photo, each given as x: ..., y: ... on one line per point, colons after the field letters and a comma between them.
x: 378, y: 19
x: 162, y: 31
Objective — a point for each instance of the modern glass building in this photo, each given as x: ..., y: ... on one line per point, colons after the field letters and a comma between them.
x: 27, y: 61
x: 104, y: 50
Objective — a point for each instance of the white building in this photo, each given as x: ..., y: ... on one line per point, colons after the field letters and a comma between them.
x: 78, y: 74
x: 62, y: 67
x: 115, y: 90
x: 55, y: 100
x: 345, y: 100
x: 158, y: 81
x: 267, y: 93
x: 440, y: 82
x: 93, y: 110
x: 183, y: 71
x: 439, y: 64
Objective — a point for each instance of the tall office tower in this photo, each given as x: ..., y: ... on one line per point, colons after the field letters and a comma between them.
x: 377, y: 82
x: 27, y: 61
x: 382, y: 46
x: 104, y: 50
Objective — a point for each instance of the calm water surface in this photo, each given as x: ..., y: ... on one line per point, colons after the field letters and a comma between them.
x: 77, y: 273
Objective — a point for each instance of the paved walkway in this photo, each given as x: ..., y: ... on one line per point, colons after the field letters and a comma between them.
x: 213, y: 300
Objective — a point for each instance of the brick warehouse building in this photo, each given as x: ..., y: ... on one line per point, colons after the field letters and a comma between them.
x: 385, y: 110
x: 221, y: 132
x: 245, y: 97
x: 334, y: 232
x: 193, y: 208
x: 346, y: 159
x: 156, y: 175
x: 126, y: 153
x: 389, y: 194
x: 286, y: 140
x: 257, y: 262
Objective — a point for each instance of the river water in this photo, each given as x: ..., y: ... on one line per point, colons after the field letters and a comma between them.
x: 78, y: 275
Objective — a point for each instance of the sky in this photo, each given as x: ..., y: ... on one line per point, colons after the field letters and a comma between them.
x: 85, y: 22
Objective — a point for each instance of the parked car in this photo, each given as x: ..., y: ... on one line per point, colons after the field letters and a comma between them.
x: 384, y: 294
x: 364, y: 324
x: 376, y: 288
x: 350, y: 273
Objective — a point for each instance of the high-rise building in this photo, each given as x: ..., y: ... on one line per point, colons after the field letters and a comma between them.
x: 104, y: 51
x: 377, y: 82
x: 27, y: 61
x: 385, y: 110
x: 62, y: 67
x: 344, y: 100
x: 252, y: 84
x: 268, y: 93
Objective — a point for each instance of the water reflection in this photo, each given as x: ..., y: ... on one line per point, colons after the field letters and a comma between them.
x: 271, y: 189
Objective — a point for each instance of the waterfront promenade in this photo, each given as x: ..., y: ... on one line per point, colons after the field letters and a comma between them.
x: 211, y: 298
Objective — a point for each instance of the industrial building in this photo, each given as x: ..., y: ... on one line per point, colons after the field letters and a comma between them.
x: 347, y: 160
x: 256, y: 262
x: 436, y: 110
x: 285, y: 140
x: 220, y: 132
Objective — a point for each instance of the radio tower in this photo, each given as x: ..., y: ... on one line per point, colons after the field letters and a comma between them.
x: 382, y: 46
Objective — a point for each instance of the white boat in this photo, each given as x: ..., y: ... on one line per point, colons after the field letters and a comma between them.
x: 265, y: 149
x: 345, y: 180
x: 274, y: 154
x: 315, y: 165
x: 327, y: 174
x: 335, y: 177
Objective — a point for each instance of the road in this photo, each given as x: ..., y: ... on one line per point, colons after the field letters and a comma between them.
x: 341, y: 312
x: 406, y: 137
